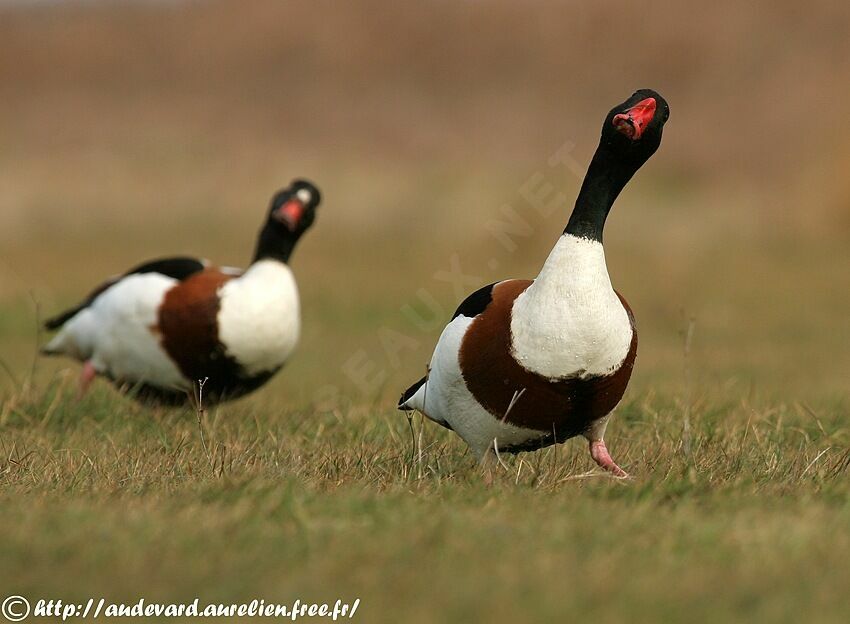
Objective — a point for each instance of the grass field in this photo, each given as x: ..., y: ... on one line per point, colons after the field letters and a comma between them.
x: 131, y: 132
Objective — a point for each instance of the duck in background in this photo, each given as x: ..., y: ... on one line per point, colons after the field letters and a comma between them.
x: 166, y: 325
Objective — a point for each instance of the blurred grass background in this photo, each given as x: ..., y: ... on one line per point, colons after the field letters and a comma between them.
x: 131, y: 130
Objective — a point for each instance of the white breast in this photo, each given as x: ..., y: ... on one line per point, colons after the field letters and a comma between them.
x: 260, y: 320
x: 570, y: 322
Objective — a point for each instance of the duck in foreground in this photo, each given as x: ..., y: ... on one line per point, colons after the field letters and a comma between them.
x: 524, y: 364
x: 163, y: 326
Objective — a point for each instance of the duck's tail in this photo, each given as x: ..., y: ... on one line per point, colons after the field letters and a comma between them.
x: 410, y: 400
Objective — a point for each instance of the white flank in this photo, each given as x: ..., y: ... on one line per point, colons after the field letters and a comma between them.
x: 114, y: 332
x: 445, y: 397
x: 260, y: 319
x: 570, y: 322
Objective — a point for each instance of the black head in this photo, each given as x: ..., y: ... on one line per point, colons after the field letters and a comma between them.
x: 291, y: 213
x: 632, y: 130
x: 293, y: 209
x: 630, y: 135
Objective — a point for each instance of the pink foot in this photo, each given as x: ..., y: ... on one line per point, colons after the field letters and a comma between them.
x: 86, y: 377
x: 600, y: 455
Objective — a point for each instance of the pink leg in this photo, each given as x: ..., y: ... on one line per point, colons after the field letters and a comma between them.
x: 600, y: 455
x: 86, y: 377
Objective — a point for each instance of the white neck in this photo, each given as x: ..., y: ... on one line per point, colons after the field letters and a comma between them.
x: 575, y: 264
x: 570, y: 322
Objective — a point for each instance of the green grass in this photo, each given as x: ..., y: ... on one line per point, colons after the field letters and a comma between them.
x: 751, y: 521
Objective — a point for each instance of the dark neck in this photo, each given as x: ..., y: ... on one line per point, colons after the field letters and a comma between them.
x: 274, y: 245
x: 603, y: 182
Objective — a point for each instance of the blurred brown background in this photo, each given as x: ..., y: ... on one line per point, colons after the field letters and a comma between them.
x: 136, y: 129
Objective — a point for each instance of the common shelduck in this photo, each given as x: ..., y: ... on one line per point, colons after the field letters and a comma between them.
x: 166, y: 325
x: 528, y: 363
